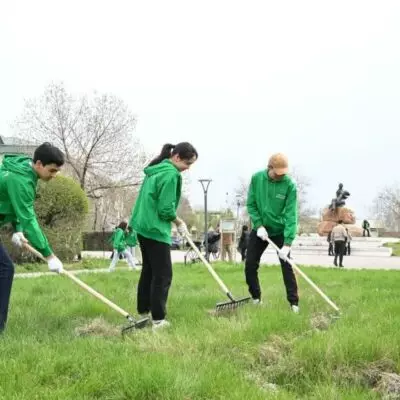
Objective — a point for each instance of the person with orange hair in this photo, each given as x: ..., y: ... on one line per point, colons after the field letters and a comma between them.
x: 272, y: 206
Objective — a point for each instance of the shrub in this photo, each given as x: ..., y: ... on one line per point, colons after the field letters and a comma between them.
x: 61, y: 207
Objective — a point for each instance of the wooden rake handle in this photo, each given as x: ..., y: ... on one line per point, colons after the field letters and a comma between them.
x: 207, y: 264
x: 306, y: 278
x: 83, y: 285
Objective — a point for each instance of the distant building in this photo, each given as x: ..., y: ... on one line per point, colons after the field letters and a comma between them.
x: 14, y: 145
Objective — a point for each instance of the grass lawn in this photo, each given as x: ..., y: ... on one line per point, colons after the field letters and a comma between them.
x: 395, y: 246
x: 86, y: 263
x: 260, y: 352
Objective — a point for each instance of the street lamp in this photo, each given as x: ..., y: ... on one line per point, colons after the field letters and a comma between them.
x: 238, y: 206
x: 205, y: 183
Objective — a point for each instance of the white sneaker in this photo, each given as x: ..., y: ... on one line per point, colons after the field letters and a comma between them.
x: 257, y: 301
x: 162, y: 323
x: 295, y: 308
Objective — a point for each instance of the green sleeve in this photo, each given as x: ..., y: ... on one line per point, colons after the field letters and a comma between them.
x: 118, y: 238
x: 167, y: 198
x: 22, y: 198
x: 252, y: 208
x: 291, y: 216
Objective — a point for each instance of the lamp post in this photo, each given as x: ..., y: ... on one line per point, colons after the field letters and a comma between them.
x: 238, y: 206
x: 205, y: 183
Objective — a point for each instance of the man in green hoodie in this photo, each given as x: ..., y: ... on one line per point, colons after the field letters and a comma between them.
x: 272, y: 206
x: 18, y: 179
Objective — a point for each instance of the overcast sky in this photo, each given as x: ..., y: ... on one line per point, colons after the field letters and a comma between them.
x: 317, y: 80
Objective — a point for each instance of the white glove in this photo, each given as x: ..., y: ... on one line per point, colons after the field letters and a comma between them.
x: 182, y: 229
x: 283, y: 253
x: 18, y: 239
x: 55, y: 265
x: 262, y: 233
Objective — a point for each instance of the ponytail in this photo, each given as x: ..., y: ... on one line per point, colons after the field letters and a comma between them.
x: 165, y: 153
x: 184, y: 149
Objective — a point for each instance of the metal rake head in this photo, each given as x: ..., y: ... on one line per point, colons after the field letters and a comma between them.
x: 232, y: 304
x: 139, y: 324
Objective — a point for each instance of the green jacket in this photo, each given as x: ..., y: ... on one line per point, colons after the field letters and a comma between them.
x: 131, y: 239
x: 273, y: 204
x: 18, y: 181
x: 118, y: 240
x: 158, y: 200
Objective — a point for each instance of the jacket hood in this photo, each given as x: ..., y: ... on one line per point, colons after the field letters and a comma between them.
x: 163, y: 166
x: 18, y: 164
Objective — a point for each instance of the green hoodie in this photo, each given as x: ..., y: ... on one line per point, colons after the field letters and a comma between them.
x: 273, y: 204
x: 158, y: 200
x: 18, y: 182
x: 131, y: 239
x: 118, y: 240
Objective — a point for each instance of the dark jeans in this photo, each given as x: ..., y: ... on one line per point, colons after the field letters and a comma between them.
x: 330, y: 250
x: 6, y: 280
x: 366, y: 230
x: 243, y: 253
x: 340, y: 246
x: 255, y: 249
x: 155, y: 278
x: 347, y: 250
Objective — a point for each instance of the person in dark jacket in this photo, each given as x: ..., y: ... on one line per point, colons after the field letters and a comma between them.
x: 244, y: 241
x: 213, y: 239
x: 329, y: 240
x: 365, y: 226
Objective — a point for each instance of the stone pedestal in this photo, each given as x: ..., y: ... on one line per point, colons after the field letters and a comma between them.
x: 330, y: 219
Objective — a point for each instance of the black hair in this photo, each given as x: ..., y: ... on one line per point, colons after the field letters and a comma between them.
x: 184, y: 149
x: 122, y: 225
x: 245, y: 228
x: 48, y: 154
x: 340, y: 221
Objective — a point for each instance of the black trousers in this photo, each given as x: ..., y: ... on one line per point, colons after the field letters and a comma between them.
x: 255, y: 249
x: 340, y: 246
x: 347, y: 249
x: 155, y: 278
x: 6, y: 280
x: 330, y: 249
x: 243, y: 252
x: 366, y: 230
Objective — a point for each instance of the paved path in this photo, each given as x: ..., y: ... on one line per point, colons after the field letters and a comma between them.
x: 352, y: 262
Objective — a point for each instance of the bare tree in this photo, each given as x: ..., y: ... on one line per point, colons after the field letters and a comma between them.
x: 95, y: 134
x: 386, y: 207
x: 109, y: 210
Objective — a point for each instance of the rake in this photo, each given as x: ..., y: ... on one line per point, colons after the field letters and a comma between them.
x: 133, y: 323
x: 306, y: 278
x: 222, y: 306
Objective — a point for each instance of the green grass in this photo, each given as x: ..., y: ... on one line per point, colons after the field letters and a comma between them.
x: 86, y: 263
x: 201, y: 356
x: 396, y: 248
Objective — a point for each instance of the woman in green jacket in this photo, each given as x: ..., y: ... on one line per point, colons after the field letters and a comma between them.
x: 153, y: 213
x: 119, y: 246
x: 131, y: 241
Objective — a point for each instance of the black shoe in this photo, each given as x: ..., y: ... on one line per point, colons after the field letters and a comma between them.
x: 335, y: 263
x: 341, y: 266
